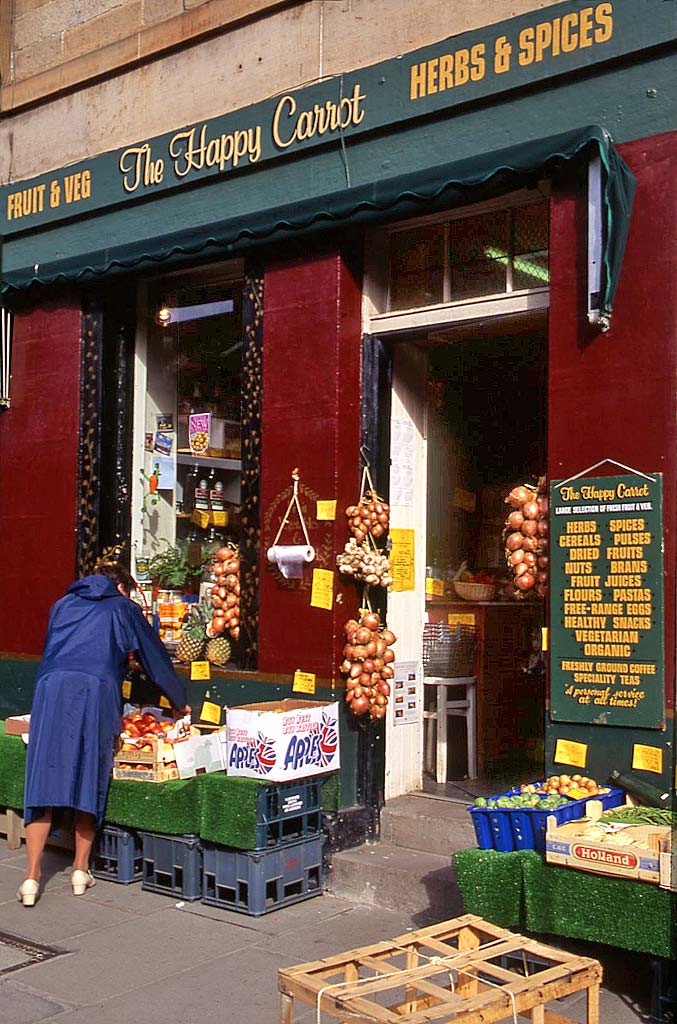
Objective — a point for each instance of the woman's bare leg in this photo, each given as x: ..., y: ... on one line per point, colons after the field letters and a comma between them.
x: 36, y: 837
x: 85, y: 831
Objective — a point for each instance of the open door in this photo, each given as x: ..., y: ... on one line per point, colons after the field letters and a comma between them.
x: 406, y: 607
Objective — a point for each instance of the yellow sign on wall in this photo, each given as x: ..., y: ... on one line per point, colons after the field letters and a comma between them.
x: 304, y: 682
x: 402, y: 559
x: 322, y: 594
x: 200, y: 670
x: 648, y: 759
x: 569, y: 752
x: 326, y: 510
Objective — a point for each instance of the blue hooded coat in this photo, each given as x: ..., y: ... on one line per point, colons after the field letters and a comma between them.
x: 77, y: 704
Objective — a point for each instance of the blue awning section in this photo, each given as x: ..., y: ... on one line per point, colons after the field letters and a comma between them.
x: 225, y: 216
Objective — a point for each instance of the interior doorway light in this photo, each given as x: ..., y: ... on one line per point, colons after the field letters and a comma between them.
x: 181, y: 314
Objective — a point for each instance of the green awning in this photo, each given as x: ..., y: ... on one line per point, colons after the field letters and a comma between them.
x: 136, y: 236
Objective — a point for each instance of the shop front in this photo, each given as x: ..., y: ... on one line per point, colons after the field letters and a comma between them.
x: 431, y: 267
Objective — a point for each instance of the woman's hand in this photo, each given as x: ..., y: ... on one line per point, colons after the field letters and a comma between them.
x: 176, y: 713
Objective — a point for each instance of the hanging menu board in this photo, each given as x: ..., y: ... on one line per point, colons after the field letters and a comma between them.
x: 606, y: 601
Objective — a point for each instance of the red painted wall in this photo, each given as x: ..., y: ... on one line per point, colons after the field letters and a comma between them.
x: 38, y: 473
x: 311, y: 420
x: 614, y: 395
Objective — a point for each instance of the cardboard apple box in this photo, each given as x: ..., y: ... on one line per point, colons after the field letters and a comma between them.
x: 281, y: 740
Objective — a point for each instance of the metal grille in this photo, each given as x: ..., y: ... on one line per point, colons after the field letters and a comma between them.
x: 448, y: 651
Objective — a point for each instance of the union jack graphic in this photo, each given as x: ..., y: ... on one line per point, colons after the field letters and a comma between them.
x: 328, y: 739
x: 265, y: 754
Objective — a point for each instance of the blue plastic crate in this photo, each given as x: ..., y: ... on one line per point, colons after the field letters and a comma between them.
x: 257, y: 882
x: 529, y: 823
x: 523, y: 828
x: 287, y: 812
x: 172, y: 865
x: 117, y: 855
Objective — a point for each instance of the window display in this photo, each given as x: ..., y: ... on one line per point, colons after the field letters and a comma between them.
x: 188, y: 438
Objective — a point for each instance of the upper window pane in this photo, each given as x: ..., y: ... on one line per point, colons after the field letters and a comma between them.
x: 478, y: 255
x: 417, y: 267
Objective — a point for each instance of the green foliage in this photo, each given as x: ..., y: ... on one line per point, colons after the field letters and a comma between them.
x: 170, y: 569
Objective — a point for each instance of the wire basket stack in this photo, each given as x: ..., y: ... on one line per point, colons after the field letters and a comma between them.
x: 448, y: 651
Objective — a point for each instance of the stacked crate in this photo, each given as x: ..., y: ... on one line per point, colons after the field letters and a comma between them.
x: 285, y: 865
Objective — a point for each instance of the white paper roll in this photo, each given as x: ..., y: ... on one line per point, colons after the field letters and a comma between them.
x: 290, y: 559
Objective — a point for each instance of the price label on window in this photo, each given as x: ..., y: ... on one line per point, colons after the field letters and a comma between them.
x: 304, y: 682
x: 200, y: 670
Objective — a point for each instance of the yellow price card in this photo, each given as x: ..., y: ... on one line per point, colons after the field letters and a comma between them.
x: 648, y: 759
x: 402, y: 564
x: 304, y: 682
x: 210, y: 712
x: 461, y: 619
x: 164, y: 703
x: 568, y: 752
x: 200, y: 670
x: 322, y: 594
x: 326, y: 510
x: 544, y: 638
x: 201, y: 518
x: 219, y: 518
x: 434, y: 588
x: 126, y: 689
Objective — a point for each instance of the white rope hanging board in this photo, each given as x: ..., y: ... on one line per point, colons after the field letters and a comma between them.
x: 290, y: 558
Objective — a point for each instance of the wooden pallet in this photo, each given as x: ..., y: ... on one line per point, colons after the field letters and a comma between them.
x: 466, y: 971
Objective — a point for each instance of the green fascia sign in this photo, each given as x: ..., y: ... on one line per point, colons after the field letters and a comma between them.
x: 607, y: 663
x: 475, y: 66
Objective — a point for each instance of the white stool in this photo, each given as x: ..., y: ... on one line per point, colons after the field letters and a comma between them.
x: 446, y: 705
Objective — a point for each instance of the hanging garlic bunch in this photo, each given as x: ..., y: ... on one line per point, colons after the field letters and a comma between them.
x: 365, y: 564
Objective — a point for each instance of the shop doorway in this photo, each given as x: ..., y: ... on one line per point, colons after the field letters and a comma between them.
x: 468, y: 424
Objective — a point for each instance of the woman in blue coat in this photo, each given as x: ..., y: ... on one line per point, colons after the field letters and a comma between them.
x: 77, y: 708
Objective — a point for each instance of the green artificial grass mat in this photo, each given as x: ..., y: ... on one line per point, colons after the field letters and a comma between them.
x: 616, y: 911
x: 228, y: 810
x: 491, y: 885
x: 171, y: 807
x: 520, y: 890
x: 12, y: 770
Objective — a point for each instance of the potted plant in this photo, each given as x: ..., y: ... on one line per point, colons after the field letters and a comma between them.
x: 170, y: 570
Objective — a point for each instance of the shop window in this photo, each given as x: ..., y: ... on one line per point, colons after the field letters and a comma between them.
x: 189, y: 383
x: 492, y: 253
x: 417, y: 267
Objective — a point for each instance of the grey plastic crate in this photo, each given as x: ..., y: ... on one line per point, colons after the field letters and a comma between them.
x: 172, y: 865
x: 117, y: 855
x: 256, y: 882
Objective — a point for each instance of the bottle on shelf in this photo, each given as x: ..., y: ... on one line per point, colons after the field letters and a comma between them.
x: 217, y: 498
x: 189, y: 487
x: 202, y: 495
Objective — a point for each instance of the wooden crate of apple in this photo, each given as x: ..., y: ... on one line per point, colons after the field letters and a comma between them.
x: 368, y: 665
x: 145, y: 749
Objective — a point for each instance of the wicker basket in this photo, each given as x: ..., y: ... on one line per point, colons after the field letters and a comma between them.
x: 475, y: 591
x: 448, y: 651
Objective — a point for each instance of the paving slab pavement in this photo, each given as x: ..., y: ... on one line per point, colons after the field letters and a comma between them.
x: 131, y: 955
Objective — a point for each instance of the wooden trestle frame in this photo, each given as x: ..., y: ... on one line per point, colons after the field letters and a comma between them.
x: 466, y: 971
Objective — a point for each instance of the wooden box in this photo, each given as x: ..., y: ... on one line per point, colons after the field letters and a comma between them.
x: 466, y: 971
x: 632, y: 852
x: 156, y: 763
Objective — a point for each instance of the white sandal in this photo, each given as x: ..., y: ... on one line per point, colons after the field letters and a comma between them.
x: 27, y: 893
x: 81, y: 881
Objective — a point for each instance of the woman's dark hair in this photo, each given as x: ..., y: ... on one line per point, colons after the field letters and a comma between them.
x: 117, y: 573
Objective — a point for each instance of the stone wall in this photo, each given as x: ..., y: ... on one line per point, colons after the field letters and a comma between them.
x: 179, y: 68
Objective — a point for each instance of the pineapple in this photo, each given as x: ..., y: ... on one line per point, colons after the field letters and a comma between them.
x: 218, y: 650
x: 193, y: 639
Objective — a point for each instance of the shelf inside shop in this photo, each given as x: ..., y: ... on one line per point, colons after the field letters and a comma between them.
x: 187, y: 459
